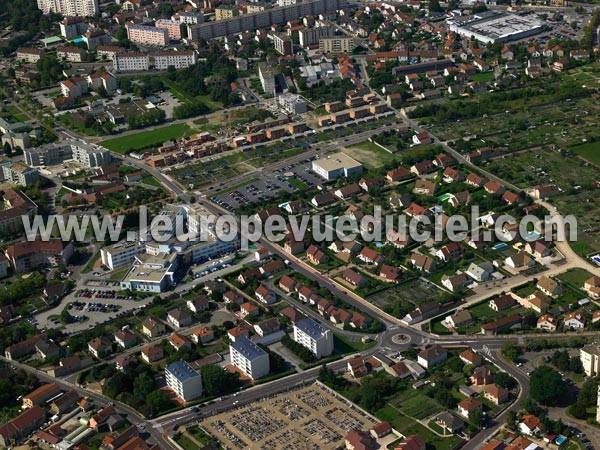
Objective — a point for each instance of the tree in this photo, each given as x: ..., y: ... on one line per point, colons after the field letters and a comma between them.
x: 547, y: 386
x: 477, y: 418
x: 217, y: 381
x: 434, y: 6
x: 7, y: 149
x: 511, y: 351
x: 142, y: 386
x: 505, y: 380
x: 158, y: 401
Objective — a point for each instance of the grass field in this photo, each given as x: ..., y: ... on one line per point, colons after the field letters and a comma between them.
x: 485, y: 76
x: 590, y: 151
x: 407, y: 427
x: 369, y: 154
x: 147, y: 139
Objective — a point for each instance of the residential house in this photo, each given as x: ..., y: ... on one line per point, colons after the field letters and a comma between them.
x: 539, y: 248
x: 455, y: 282
x: 267, y: 327
x: 496, y: 394
x: 265, y: 295
x: 287, y: 284
x: 152, y: 353
x: 470, y: 357
x: 100, y: 346
x: 432, y: 356
x: 547, y: 322
x: 502, y: 302
x: 398, y: 174
x: 422, y: 263
x: 152, y: 328
x: 482, y: 375
x: 498, y: 326
x: 549, y: 286
x: 592, y: 287
x: 249, y: 309
x: 520, y: 261
x: 449, y: 251
x: 480, y: 272
x: 370, y: 256
x: 459, y: 319
x: 425, y: 187
x: 125, y: 338
x: 316, y: 256
x: 399, y: 200
x: 574, y: 320
x: 449, y: 422
x: 390, y: 273
x: 474, y: 180
x: 198, y: 304
x: 530, y: 425
x: 354, y: 278
x: 203, y: 336
x: 468, y: 405
x: 422, y: 168
x: 178, y: 342
x: 179, y: 318
x: 234, y: 298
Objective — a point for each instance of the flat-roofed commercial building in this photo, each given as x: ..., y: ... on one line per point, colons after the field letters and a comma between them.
x: 121, y: 254
x: 496, y: 26
x: 151, y: 273
x: 337, y: 165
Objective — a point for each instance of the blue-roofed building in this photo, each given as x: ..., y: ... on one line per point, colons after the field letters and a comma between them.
x: 314, y: 337
x: 185, y: 381
x: 249, y: 357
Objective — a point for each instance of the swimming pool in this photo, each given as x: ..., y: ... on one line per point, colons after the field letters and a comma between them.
x: 596, y: 259
x: 560, y: 440
x: 500, y: 246
x: 77, y: 41
x: 444, y: 197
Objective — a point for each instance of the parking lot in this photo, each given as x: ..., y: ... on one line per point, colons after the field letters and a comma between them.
x: 291, y: 178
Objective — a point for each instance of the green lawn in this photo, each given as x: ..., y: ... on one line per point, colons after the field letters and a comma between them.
x: 589, y: 151
x: 484, y: 76
x: 408, y: 427
x: 369, y: 154
x: 575, y: 276
x: 298, y: 184
x: 420, y: 406
x: 146, y: 139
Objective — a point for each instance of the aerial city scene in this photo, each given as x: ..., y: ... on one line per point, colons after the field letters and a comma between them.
x: 300, y: 224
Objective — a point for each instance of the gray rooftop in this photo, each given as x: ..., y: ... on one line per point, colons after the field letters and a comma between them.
x: 181, y: 370
x: 247, y: 348
x: 310, y: 327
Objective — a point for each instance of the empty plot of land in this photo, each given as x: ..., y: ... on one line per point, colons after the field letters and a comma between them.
x: 309, y: 418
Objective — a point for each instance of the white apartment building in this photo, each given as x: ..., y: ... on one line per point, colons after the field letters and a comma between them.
x: 309, y: 36
x: 314, y: 337
x: 87, y: 155
x: 30, y: 54
x: 121, y: 254
x: 131, y: 62
x: 267, y: 78
x: 249, y: 357
x: 177, y: 59
x: 286, y: 2
x: 183, y: 380
x: 147, y: 35
x: 590, y: 359
x: 336, y: 44
x: 69, y: 7
x: 72, y: 27
x: 18, y: 173
x: 292, y: 103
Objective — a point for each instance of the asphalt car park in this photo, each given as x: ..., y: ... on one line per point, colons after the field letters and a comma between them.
x: 267, y: 189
